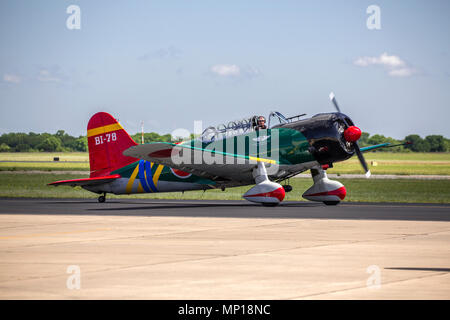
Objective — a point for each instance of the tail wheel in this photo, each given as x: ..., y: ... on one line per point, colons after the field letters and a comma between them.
x: 102, y: 199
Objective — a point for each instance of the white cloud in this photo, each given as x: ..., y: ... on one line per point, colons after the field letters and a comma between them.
x: 46, y: 76
x: 11, y: 78
x: 226, y: 70
x: 403, y: 72
x: 384, y: 60
x: 394, y: 65
x: 234, y: 71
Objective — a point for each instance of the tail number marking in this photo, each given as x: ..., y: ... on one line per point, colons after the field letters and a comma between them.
x: 107, y: 138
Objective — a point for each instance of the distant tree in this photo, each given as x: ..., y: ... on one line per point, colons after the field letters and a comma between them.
x: 364, y: 140
x: 51, y: 144
x: 151, y: 137
x: 61, y: 141
x: 436, y: 143
x: 4, y: 148
x: 80, y: 144
x: 377, y: 139
x: 23, y: 147
x: 417, y: 143
x: 59, y: 133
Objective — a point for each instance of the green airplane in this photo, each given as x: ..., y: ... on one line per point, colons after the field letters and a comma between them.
x: 246, y: 152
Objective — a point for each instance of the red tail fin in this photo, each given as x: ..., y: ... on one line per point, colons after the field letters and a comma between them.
x: 106, y: 141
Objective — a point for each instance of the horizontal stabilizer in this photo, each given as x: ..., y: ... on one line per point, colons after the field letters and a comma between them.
x: 85, y: 181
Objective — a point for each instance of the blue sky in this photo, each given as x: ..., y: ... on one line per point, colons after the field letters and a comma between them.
x: 168, y: 63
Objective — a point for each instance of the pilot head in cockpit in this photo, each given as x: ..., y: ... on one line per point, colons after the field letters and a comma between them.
x: 261, y: 123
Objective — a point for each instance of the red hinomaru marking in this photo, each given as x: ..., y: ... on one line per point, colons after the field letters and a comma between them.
x: 341, y: 193
x: 180, y: 174
x: 277, y: 193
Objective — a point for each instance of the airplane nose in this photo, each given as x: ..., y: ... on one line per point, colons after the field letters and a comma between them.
x: 352, y: 134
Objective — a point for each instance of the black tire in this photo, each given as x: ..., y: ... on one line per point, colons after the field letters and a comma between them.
x: 287, y: 188
x: 269, y: 204
x: 101, y: 199
x: 331, y: 203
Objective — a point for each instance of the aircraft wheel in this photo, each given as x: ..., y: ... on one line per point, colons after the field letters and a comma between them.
x: 331, y: 203
x: 101, y: 199
x: 287, y: 188
x: 269, y: 204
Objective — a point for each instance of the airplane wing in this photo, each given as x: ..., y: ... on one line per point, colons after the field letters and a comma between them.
x: 382, y: 145
x: 207, y: 163
x: 377, y: 146
x: 85, y: 181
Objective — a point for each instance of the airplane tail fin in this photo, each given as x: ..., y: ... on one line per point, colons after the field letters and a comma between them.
x: 107, y: 139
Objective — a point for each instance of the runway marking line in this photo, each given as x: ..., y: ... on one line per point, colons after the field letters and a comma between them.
x: 35, y: 235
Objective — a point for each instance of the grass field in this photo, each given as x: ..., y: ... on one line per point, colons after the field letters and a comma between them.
x: 435, y: 191
x: 387, y: 163
x: 44, y: 156
x: 68, y: 161
x: 425, y: 191
x: 398, y: 163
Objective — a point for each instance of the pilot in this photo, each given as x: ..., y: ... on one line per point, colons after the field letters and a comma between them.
x: 261, y: 123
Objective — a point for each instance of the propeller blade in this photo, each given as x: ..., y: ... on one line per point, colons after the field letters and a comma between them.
x: 362, y: 160
x: 333, y: 99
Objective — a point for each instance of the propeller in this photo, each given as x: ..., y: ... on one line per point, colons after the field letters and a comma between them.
x: 333, y: 99
x: 352, y: 134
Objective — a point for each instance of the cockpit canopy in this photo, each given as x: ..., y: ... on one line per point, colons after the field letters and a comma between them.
x: 246, y: 125
x: 276, y: 119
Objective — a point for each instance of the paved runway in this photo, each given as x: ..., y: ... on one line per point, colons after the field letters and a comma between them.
x: 170, y: 249
x: 228, y: 209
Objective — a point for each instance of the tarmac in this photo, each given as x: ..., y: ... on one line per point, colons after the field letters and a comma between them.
x: 172, y: 249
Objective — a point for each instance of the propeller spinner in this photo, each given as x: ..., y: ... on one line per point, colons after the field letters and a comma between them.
x: 352, y: 135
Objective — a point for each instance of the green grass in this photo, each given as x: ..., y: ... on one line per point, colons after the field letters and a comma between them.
x: 398, y: 163
x: 28, y: 166
x: 44, y: 156
x: 387, y: 163
x: 393, y: 167
x: 423, y: 191
x: 414, y: 156
x: 61, y: 165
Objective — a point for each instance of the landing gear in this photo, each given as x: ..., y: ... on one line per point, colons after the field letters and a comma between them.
x: 269, y: 204
x: 102, y: 198
x: 287, y: 188
x: 324, y: 190
x: 331, y: 203
x: 266, y: 192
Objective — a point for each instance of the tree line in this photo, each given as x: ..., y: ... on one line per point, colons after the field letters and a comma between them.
x: 63, y: 142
